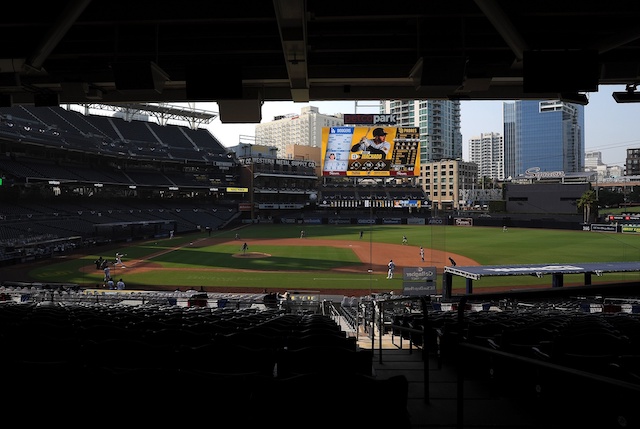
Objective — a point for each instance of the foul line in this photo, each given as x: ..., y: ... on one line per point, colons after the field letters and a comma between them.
x: 343, y: 278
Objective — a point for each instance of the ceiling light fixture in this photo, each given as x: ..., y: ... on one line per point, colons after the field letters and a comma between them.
x: 628, y: 96
x: 575, y: 98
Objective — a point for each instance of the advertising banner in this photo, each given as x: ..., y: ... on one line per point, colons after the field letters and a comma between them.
x: 370, y: 151
x: 407, y: 203
x: 341, y: 221
x: 635, y: 229
x: 463, y: 221
x: 419, y: 281
x: 313, y: 221
x: 391, y: 221
x: 604, y: 228
x: 366, y: 221
x: 416, y: 221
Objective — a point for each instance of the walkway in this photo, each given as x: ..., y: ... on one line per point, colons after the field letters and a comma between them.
x: 482, y: 408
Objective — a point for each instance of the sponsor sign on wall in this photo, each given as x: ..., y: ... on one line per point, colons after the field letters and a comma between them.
x: 634, y: 229
x: 463, y: 221
x: 341, y: 221
x: 366, y: 222
x: 416, y: 221
x: 417, y: 281
x: 604, y: 228
x: 623, y: 218
x: 313, y: 220
x: 391, y: 221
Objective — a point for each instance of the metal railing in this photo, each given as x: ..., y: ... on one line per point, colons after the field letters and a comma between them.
x: 373, y: 319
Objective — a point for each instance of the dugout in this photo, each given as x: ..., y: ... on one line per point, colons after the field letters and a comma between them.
x: 30, y: 250
x: 121, y: 231
x: 556, y: 271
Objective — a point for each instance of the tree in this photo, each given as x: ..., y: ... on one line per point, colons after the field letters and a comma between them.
x: 586, y: 203
x: 607, y: 198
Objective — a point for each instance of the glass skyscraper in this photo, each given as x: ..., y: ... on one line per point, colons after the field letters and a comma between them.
x: 545, y: 135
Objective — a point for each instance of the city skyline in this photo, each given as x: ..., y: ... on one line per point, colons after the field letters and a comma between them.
x: 610, y: 127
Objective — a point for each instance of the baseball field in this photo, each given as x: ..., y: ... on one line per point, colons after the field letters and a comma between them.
x: 349, y: 260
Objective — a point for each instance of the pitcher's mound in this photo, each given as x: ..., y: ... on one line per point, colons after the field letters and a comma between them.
x: 251, y: 255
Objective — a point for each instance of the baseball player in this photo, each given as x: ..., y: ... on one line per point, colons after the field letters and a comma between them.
x: 379, y: 144
x: 119, y: 260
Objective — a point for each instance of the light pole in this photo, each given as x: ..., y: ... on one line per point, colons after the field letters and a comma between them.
x: 251, y: 192
x: 370, y: 241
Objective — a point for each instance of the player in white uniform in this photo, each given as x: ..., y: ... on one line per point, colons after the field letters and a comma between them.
x: 119, y: 260
x: 379, y: 144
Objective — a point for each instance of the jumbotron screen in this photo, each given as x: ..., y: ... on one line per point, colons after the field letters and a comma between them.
x: 370, y: 151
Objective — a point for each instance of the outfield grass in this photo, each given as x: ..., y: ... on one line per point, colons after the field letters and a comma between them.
x: 307, y: 267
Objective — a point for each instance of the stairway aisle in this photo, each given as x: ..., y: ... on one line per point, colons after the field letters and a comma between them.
x: 482, y: 408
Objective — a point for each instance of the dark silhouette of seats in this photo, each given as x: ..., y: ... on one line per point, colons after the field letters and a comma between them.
x: 118, y: 354
x: 315, y: 400
x: 626, y: 367
x: 223, y: 357
x: 260, y: 339
x: 106, y: 332
x: 587, y: 351
x: 323, y: 360
x: 323, y: 339
x: 521, y: 340
x: 177, y: 337
x: 42, y: 351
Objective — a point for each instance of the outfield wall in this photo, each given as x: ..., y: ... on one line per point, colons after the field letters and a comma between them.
x: 563, y: 222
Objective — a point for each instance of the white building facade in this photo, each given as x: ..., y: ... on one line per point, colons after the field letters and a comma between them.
x: 593, y: 163
x: 487, y: 151
x: 304, y: 129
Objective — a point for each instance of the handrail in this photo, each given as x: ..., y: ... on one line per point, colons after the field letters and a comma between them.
x: 549, y: 365
x: 424, y: 300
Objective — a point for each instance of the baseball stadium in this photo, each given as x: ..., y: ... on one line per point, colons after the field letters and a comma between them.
x: 224, y: 275
x: 352, y: 272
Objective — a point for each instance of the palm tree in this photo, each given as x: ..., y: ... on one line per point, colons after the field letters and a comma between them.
x: 586, y: 202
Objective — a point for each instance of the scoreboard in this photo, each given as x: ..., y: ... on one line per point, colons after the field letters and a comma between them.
x: 341, y: 155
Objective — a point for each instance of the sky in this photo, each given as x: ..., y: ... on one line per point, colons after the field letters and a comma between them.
x: 610, y: 127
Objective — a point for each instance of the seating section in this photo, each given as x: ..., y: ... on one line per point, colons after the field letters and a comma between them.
x: 561, y: 355
x: 38, y: 221
x: 133, y: 162
x: 257, y: 364
x: 238, y: 366
x: 57, y: 127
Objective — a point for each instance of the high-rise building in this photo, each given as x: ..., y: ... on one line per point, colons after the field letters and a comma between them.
x: 487, y: 151
x: 632, y: 162
x: 304, y: 129
x: 543, y: 135
x: 439, y: 123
